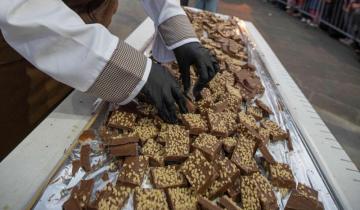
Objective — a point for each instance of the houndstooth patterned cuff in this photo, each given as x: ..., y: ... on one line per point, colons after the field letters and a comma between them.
x: 123, y: 76
x: 177, y: 29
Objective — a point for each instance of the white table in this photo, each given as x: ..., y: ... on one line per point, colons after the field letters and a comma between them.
x: 26, y: 170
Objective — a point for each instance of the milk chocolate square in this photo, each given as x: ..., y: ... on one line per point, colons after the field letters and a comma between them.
x: 195, y: 123
x: 182, y: 198
x: 168, y: 176
x: 133, y: 171
x: 208, y: 144
x: 122, y: 120
x: 281, y: 176
x: 198, y: 171
x: 146, y: 199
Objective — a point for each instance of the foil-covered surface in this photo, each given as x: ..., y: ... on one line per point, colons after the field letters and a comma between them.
x: 300, y: 161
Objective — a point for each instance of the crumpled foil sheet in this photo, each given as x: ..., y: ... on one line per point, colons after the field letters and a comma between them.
x: 300, y: 161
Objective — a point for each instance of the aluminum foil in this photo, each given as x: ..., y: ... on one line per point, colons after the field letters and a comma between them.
x: 300, y: 161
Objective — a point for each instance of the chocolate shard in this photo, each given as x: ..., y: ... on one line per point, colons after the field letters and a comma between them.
x: 133, y: 171
x: 228, y: 204
x: 208, y: 144
x: 75, y: 167
x: 206, y: 204
x: 145, y: 199
x: 124, y: 150
x: 281, y: 176
x: 165, y: 177
x: 266, y: 110
x: 266, y: 154
x: 85, y: 157
x: 181, y: 199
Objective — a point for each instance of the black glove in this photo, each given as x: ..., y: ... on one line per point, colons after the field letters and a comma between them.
x: 163, y: 91
x: 206, y: 65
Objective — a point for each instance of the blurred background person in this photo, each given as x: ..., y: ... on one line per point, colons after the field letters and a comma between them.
x: 209, y: 5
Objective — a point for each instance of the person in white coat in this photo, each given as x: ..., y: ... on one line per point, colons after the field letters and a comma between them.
x: 89, y: 58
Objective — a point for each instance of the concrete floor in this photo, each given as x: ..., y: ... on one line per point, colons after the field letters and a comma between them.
x: 326, y: 71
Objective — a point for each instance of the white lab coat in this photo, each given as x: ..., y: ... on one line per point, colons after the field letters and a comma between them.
x: 55, y: 39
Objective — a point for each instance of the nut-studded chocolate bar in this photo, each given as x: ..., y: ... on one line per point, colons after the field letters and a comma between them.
x: 145, y: 199
x: 133, y: 171
x: 249, y: 193
x: 229, y: 144
x: 198, y: 171
x: 124, y: 150
x: 281, y: 176
x: 266, y: 195
x: 122, y: 120
x: 208, y: 144
x: 154, y: 151
x: 168, y: 176
x: 182, y: 198
x: 227, y: 174
x: 80, y: 196
x: 221, y: 124
x: 304, y: 197
x: 243, y: 156
x: 145, y: 132
x: 276, y: 133
x: 112, y: 197
x: 195, y: 123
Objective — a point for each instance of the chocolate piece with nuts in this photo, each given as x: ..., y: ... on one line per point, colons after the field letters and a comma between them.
x: 133, y: 171
x: 266, y: 195
x: 145, y: 132
x: 243, y: 156
x: 145, y: 199
x: 276, y: 132
x: 249, y: 193
x: 122, y: 120
x: 195, y: 123
x: 112, y: 197
x: 281, y: 176
x: 229, y: 144
x: 182, y: 199
x: 208, y: 144
x: 154, y: 151
x: 304, y: 198
x: 168, y: 176
x: 198, y: 171
x: 221, y: 124
x: 227, y: 174
x: 228, y: 204
x: 80, y: 195
x: 255, y: 112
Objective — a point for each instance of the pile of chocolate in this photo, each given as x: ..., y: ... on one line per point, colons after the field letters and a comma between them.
x: 207, y: 160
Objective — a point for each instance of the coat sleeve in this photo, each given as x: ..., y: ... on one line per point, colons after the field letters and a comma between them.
x: 172, y: 25
x: 85, y: 56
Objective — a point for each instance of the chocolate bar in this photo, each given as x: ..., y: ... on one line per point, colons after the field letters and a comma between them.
x: 194, y: 123
x: 243, y: 156
x: 80, y: 196
x: 133, y: 171
x: 124, y: 150
x: 235, y: 189
x: 169, y: 131
x: 75, y: 167
x: 247, y: 120
x: 281, y: 176
x: 145, y: 132
x: 266, y: 110
x: 168, y: 176
x: 85, y: 157
x: 122, y: 120
x: 145, y: 199
x: 177, y: 146
x: 255, y: 112
x: 264, y: 190
x: 228, y: 204
x: 221, y: 124
x: 154, y: 151
x: 249, y: 193
x: 206, y: 204
x: 303, y: 198
x: 227, y: 174
x: 112, y: 197
x: 276, y: 132
x: 229, y: 144
x: 182, y: 199
x: 208, y: 144
x: 120, y: 139
x: 198, y: 171
x: 266, y: 154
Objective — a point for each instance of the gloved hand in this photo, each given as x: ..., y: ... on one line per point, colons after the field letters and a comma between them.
x: 206, y: 65
x: 163, y: 91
